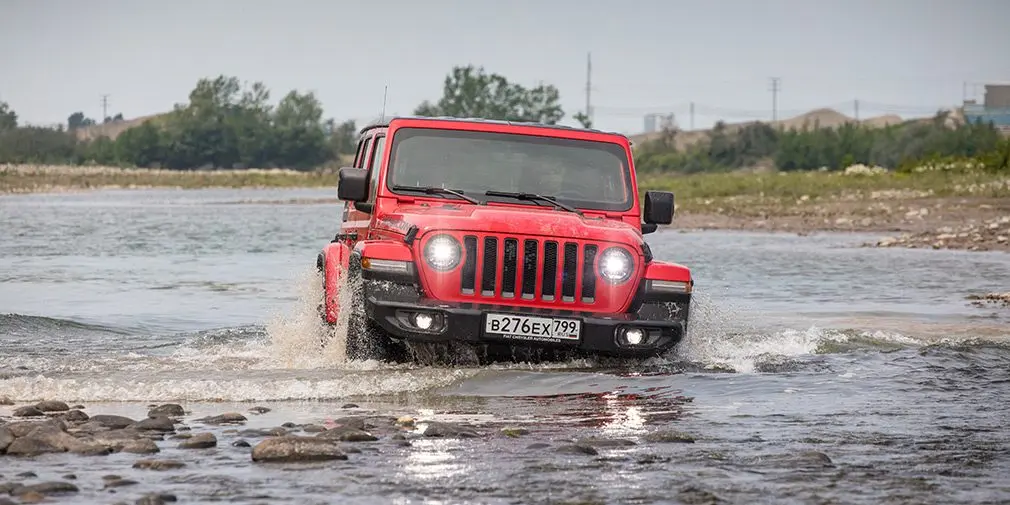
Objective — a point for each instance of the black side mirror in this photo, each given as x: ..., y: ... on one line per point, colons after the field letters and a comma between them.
x: 659, y: 210
x: 352, y: 185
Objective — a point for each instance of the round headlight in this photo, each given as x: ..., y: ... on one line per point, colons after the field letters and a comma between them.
x: 442, y: 252
x: 615, y: 265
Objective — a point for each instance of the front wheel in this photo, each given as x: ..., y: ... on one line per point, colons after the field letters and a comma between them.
x: 362, y: 338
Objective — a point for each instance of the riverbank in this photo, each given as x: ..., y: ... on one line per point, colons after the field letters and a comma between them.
x: 949, y: 206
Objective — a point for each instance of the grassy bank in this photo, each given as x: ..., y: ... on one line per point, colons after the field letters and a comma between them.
x: 700, y: 192
x: 52, y: 178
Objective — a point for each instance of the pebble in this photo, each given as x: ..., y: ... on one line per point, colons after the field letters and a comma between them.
x: 156, y: 499
x: 199, y: 441
x: 158, y: 464
x: 167, y: 410
x: 52, y: 406
x: 577, y: 449
x: 293, y: 448
x: 259, y: 410
x: 226, y: 418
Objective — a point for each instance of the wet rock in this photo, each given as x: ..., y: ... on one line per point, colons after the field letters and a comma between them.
x: 167, y: 410
x: 181, y: 436
x: 604, y: 442
x: 354, y: 423
x: 119, y: 483
x: 998, y: 299
x: 140, y: 446
x: 70, y: 476
x: 51, y: 488
x: 537, y: 446
x: 349, y: 406
x: 240, y: 443
x: 669, y: 437
x: 27, y: 475
x: 23, y: 428
x: 28, y: 446
x: 292, y: 448
x: 272, y: 432
x: 77, y: 407
x: 226, y: 418
x: 347, y: 435
x: 514, y: 432
x: 6, y: 437
x: 259, y: 410
x: 577, y: 449
x: 156, y: 499
x: 111, y: 422
x: 111, y: 477
x: 31, y: 497
x: 158, y: 464
x: 74, y: 416
x: 447, y: 430
x: 696, y: 496
x: 6, y: 400
x: 28, y: 411
x: 405, y: 421
x: 52, y: 406
x: 199, y: 441
x: 289, y: 425
x: 7, y: 501
x: 161, y: 424
x: 313, y: 428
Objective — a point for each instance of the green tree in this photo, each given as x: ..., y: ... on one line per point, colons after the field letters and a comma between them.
x: 471, y: 92
x: 78, y: 120
x: 8, y: 118
x: 301, y: 140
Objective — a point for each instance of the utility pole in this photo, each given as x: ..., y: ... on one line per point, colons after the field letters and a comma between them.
x: 775, y: 98
x: 105, y: 108
x: 589, y: 86
x: 855, y: 106
x: 692, y: 115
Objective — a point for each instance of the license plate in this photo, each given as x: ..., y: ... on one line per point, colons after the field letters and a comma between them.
x: 545, y: 329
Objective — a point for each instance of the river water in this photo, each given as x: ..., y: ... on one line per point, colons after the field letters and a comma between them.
x: 816, y: 370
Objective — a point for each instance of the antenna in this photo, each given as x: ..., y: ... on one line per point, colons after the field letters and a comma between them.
x: 385, y: 89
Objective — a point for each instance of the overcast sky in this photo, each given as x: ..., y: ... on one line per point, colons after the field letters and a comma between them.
x: 902, y: 56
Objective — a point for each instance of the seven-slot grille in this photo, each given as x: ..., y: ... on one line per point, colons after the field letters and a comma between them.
x: 508, y: 267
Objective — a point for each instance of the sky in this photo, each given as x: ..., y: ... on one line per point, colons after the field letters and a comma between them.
x: 908, y: 57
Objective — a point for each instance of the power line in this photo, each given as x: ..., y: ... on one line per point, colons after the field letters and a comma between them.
x: 775, y: 97
x: 105, y: 108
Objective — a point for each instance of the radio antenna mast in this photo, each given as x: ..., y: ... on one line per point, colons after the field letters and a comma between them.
x: 385, y: 89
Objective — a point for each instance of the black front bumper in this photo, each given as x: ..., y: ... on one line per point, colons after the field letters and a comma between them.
x: 663, y: 322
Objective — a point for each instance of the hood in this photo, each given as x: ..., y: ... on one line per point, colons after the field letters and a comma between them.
x: 526, y: 221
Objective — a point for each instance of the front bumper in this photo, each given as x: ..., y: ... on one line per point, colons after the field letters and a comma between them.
x: 662, y: 323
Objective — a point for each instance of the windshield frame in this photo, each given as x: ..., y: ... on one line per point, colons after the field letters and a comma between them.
x: 620, y: 151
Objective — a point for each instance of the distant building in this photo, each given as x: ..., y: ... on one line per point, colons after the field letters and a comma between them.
x: 995, y: 107
x: 650, y: 123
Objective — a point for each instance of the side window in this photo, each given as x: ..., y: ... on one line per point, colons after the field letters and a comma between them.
x: 373, y: 167
x: 359, y: 159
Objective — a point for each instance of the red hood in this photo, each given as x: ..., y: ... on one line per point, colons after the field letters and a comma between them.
x: 543, y: 221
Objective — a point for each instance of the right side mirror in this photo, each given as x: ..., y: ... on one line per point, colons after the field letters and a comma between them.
x: 659, y: 207
x: 352, y: 185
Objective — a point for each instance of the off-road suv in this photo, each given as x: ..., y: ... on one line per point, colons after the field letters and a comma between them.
x: 501, y: 237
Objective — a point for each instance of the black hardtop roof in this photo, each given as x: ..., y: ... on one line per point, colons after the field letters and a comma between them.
x: 385, y: 122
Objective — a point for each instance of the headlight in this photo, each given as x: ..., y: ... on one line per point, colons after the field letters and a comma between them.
x: 616, y: 265
x: 442, y: 252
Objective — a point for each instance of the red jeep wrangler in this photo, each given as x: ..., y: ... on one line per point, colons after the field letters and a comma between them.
x: 502, y: 237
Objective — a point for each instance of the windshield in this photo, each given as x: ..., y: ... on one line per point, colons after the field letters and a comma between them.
x: 584, y: 174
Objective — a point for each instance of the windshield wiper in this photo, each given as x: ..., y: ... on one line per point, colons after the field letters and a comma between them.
x: 533, y: 197
x: 435, y: 190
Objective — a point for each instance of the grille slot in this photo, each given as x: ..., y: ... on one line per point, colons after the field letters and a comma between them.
x: 530, y: 250
x: 550, y: 275
x: 487, y: 275
x: 469, y: 272
x: 509, y: 268
x: 588, y: 274
x: 569, y: 271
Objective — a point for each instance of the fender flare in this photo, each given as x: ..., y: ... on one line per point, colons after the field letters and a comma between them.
x: 333, y: 262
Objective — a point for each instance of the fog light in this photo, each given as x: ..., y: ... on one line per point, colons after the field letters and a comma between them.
x: 423, y: 321
x: 634, y: 336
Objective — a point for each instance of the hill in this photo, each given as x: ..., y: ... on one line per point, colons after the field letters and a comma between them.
x: 112, y: 129
x: 825, y: 118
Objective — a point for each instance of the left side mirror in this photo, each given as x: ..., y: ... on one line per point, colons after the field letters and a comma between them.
x: 659, y: 207
x: 352, y: 186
